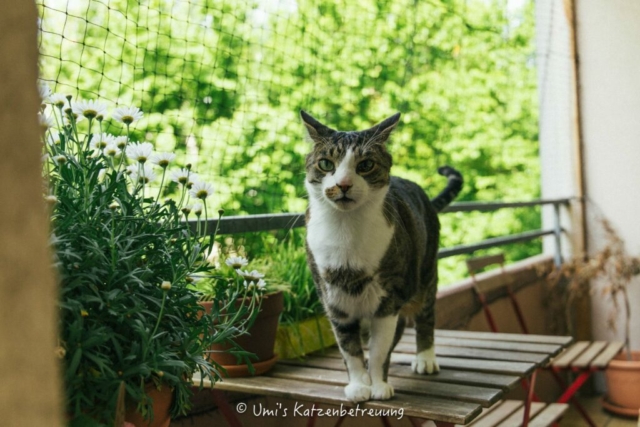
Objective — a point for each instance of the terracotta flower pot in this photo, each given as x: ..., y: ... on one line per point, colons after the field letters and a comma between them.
x: 260, y: 339
x: 162, y: 400
x: 623, y: 384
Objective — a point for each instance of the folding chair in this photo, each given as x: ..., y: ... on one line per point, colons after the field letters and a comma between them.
x: 477, y: 264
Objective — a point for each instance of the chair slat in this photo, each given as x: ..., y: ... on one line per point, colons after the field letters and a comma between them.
x: 568, y: 356
x: 499, y: 413
x: 515, y: 419
x: 589, y: 354
x: 549, y: 415
x: 603, y: 359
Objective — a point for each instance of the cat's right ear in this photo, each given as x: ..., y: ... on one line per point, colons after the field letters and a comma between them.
x: 316, y: 131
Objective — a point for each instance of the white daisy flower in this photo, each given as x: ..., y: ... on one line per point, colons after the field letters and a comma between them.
x: 111, y: 150
x: 44, y: 90
x: 261, y: 285
x: 100, y: 141
x: 53, y: 139
x: 90, y: 109
x: 57, y: 99
x: 127, y: 115
x: 162, y: 159
x: 181, y: 176
x: 131, y: 169
x: 60, y: 159
x: 197, y: 208
x: 120, y: 141
x: 201, y: 190
x: 144, y: 176
x: 236, y: 262
x: 140, y: 151
x: 252, y: 276
x: 46, y: 122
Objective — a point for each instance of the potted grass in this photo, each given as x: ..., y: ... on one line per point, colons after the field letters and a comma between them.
x: 303, y: 327
x: 614, y: 268
x: 257, y: 311
x: 132, y: 333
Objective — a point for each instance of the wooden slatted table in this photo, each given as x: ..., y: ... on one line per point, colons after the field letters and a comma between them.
x: 476, y: 369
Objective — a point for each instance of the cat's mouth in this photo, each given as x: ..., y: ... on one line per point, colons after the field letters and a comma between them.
x: 344, y: 200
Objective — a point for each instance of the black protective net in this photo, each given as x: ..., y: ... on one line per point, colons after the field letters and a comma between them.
x: 221, y: 83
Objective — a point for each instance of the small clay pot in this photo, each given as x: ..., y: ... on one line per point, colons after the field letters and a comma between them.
x: 623, y: 384
x: 162, y: 400
x: 259, y: 340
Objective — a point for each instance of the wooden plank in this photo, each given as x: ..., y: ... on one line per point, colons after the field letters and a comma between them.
x: 551, y: 349
x: 478, y: 263
x: 421, y: 386
x: 478, y: 365
x: 612, y: 350
x: 589, y: 354
x: 479, y: 353
x: 504, y: 382
x: 498, y: 414
x: 540, y: 339
x: 549, y: 415
x: 565, y: 359
x: 515, y: 419
x: 433, y: 408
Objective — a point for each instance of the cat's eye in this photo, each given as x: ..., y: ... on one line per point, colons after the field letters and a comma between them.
x: 365, y: 166
x: 326, y: 165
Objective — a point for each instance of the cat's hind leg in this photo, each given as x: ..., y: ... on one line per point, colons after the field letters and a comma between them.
x: 348, y: 337
x: 425, y: 361
x: 383, y: 333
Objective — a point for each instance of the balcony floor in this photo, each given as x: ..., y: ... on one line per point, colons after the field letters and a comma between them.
x: 600, y: 416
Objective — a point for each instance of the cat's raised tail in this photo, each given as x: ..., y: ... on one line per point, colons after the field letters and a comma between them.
x: 454, y: 185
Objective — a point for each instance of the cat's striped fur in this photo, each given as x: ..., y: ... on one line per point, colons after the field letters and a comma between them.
x: 372, y: 243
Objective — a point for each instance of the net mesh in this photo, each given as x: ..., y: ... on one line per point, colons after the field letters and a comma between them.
x: 221, y: 83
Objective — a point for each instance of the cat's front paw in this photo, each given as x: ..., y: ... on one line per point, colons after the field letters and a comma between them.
x: 357, y: 392
x: 381, y: 391
x: 425, y: 362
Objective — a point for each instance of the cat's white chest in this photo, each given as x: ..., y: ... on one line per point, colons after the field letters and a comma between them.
x: 357, y: 240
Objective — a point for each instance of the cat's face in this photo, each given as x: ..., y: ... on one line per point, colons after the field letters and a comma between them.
x: 348, y: 169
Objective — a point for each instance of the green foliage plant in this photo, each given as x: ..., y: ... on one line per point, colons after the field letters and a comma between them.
x: 128, y: 313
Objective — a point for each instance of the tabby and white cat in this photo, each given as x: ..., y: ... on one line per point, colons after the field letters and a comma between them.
x: 372, y: 244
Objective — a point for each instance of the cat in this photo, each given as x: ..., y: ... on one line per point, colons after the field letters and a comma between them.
x: 372, y: 244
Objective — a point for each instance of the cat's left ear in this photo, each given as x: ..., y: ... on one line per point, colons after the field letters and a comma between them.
x: 382, y: 130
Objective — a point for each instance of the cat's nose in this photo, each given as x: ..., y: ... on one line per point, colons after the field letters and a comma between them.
x: 344, y: 187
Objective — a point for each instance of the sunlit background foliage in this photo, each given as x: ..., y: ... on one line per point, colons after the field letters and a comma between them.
x: 221, y: 84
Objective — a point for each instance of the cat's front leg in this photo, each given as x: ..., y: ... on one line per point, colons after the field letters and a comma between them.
x: 348, y: 337
x: 383, y: 331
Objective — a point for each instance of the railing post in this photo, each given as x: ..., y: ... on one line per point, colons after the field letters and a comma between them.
x: 557, y: 232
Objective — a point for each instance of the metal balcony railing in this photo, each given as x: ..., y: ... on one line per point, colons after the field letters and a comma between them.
x: 286, y: 221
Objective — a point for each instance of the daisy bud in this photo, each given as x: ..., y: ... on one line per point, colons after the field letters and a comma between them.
x: 51, y: 199
x: 220, y: 212
x: 84, y: 313
x: 165, y: 286
x: 60, y: 352
x: 113, y: 206
x: 60, y: 159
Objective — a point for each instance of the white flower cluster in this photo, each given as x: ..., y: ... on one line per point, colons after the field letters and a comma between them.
x: 117, y: 151
x: 252, y: 279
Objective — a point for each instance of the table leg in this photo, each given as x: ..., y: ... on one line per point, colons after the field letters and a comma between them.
x: 227, y: 412
x: 527, y: 404
x: 576, y: 404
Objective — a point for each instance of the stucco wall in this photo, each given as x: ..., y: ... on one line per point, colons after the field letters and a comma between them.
x: 608, y: 97
x: 609, y: 52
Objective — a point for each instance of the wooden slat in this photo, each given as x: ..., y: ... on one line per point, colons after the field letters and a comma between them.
x: 549, y: 415
x: 515, y: 419
x: 421, y: 386
x: 568, y: 356
x: 612, y: 350
x: 551, y: 349
x: 478, y: 263
x: 504, y: 382
x: 540, y: 339
x: 479, y: 353
x: 498, y: 414
x: 477, y: 365
x: 589, y: 354
x: 433, y: 408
